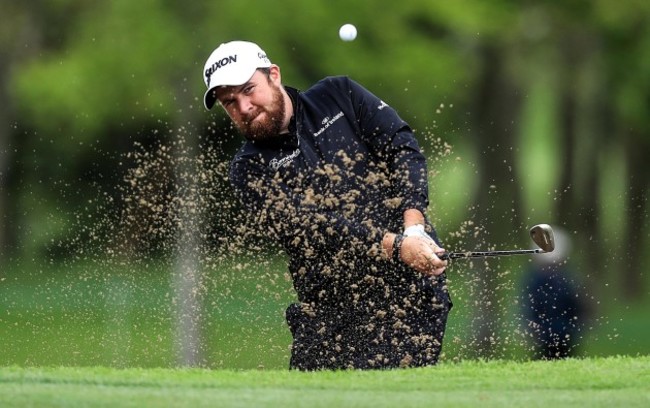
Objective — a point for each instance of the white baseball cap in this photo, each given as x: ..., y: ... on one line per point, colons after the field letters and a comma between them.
x: 232, y: 63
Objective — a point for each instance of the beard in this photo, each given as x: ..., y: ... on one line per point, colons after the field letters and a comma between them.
x: 257, y: 129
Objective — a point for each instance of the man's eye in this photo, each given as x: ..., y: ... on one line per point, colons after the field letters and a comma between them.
x: 248, y: 89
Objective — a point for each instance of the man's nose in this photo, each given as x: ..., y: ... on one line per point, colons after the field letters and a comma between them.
x: 244, y: 105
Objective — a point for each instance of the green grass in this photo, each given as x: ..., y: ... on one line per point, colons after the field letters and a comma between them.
x: 105, y: 314
x: 599, y: 382
x: 112, y: 314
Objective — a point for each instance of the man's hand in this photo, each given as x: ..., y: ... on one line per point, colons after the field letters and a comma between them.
x: 421, y: 253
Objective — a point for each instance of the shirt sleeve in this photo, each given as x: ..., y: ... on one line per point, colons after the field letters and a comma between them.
x: 392, y: 140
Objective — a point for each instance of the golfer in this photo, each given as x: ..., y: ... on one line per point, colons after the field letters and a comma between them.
x: 337, y: 178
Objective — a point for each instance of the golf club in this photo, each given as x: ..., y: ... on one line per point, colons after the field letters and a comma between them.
x: 541, y: 234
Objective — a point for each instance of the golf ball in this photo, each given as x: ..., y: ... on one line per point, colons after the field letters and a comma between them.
x: 348, y: 32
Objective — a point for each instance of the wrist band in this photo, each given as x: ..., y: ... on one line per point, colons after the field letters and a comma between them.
x: 397, y: 247
x: 416, y: 229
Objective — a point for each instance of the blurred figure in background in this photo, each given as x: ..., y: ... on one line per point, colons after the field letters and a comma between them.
x: 553, y: 308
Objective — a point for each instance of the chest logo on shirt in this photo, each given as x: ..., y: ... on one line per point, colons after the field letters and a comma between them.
x: 327, y: 122
x: 276, y: 163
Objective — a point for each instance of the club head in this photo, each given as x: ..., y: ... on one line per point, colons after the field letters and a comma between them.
x: 542, y: 236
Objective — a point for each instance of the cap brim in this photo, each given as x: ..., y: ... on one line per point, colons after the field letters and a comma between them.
x: 228, y: 78
x: 210, y: 98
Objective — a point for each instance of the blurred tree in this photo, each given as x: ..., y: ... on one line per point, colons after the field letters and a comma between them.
x: 627, y: 42
x: 602, y: 66
x: 118, y: 73
x: 498, y: 202
x: 7, y: 51
x: 17, y: 29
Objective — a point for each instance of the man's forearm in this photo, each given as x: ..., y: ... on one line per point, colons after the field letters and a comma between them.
x: 413, y: 217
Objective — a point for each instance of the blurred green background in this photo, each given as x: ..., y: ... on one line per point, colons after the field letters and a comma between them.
x: 121, y: 243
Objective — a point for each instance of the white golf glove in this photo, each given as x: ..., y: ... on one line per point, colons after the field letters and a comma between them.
x: 416, y: 230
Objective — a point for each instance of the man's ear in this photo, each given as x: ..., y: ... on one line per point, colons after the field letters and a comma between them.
x: 274, y: 74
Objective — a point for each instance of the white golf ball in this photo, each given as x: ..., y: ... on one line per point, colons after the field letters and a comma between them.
x: 348, y: 32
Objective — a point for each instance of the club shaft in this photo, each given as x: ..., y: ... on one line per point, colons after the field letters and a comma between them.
x: 484, y: 254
